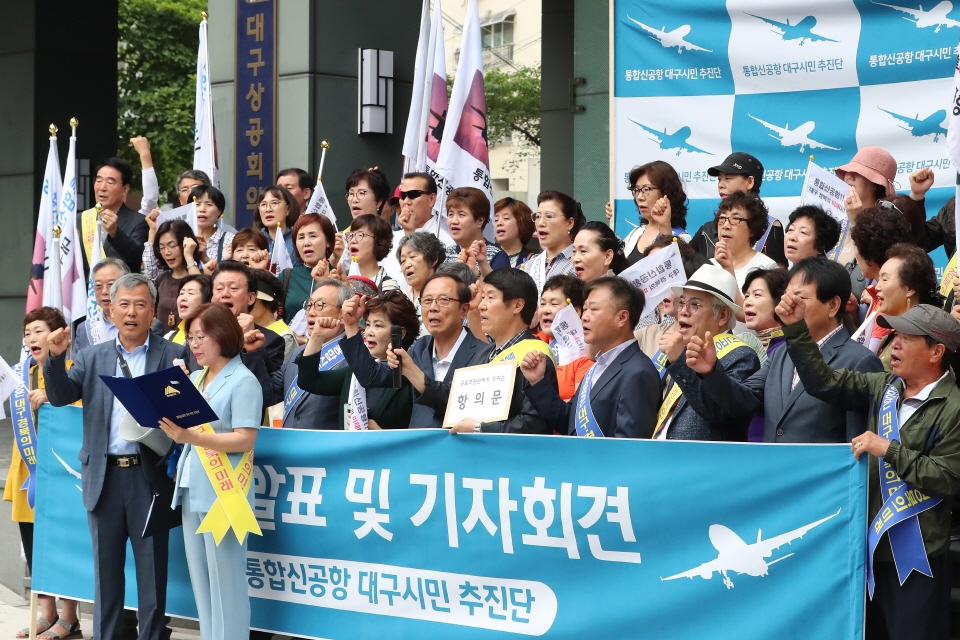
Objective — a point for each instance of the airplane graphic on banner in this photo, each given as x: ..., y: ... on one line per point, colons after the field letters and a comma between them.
x: 932, y: 125
x: 670, y: 39
x: 739, y: 557
x: 676, y: 140
x: 936, y: 17
x: 792, y: 137
x: 801, y: 31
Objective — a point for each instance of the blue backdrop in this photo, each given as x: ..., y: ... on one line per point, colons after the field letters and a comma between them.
x: 420, y: 534
x: 697, y: 79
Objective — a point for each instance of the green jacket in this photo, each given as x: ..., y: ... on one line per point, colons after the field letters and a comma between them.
x: 390, y: 408
x: 928, y: 454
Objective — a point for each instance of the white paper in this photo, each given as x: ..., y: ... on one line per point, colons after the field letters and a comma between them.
x: 824, y: 189
x: 568, y: 332
x: 481, y: 392
x: 655, y: 274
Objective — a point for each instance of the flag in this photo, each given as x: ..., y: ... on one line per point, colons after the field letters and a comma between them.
x: 464, y: 159
x: 411, y: 138
x: 953, y: 150
x: 568, y: 332
x: 280, y: 259
x: 319, y: 203
x: 187, y: 213
x: 204, y: 137
x: 41, y: 290
x: 74, y: 288
x: 436, y: 116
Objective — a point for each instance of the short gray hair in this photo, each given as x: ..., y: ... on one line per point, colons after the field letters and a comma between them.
x: 132, y: 281
x: 114, y: 262
x: 194, y: 174
x: 719, y: 306
x: 344, y: 292
x: 427, y: 245
x: 458, y: 270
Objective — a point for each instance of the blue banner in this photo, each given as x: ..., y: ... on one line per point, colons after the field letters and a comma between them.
x: 420, y: 534
x: 695, y: 80
x: 256, y: 102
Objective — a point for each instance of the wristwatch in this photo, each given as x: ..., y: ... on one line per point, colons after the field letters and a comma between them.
x: 476, y: 427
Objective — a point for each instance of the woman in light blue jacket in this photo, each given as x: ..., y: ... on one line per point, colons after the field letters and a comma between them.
x: 217, y: 570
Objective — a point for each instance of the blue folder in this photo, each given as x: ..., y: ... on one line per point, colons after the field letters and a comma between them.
x: 167, y: 393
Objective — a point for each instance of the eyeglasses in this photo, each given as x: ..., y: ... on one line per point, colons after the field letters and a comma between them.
x: 644, y: 190
x: 730, y: 220
x: 442, y: 301
x: 168, y: 247
x: 356, y: 195
x: 550, y: 215
x: 413, y: 194
x: 186, y: 188
x: 273, y: 204
x: 320, y: 305
x: 195, y: 339
x: 359, y: 235
x: 886, y: 204
x: 690, y: 305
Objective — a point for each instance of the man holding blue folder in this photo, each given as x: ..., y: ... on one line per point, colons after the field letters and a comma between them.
x: 118, y: 484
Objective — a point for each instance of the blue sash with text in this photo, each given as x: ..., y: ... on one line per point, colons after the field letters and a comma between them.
x: 586, y: 423
x: 330, y: 356
x: 901, y: 506
x: 24, y: 430
x: 660, y: 362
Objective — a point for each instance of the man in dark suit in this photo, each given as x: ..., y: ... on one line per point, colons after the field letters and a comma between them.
x: 309, y: 410
x: 444, y: 303
x: 619, y: 396
x: 235, y: 287
x: 118, y: 481
x: 506, y: 302
x: 124, y: 230
x: 706, y: 310
x: 791, y: 414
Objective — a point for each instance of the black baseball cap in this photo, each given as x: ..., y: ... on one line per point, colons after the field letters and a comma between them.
x: 740, y: 163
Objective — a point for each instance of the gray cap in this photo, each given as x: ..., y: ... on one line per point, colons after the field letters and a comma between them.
x: 926, y: 320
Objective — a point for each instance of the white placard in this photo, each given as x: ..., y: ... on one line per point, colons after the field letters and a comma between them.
x: 824, y: 189
x: 187, y: 213
x: 568, y: 332
x: 655, y: 274
x: 482, y: 392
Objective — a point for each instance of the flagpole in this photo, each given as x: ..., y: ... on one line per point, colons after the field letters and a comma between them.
x: 324, y: 145
x: 57, y: 302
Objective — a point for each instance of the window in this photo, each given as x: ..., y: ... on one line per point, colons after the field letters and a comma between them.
x: 496, y: 37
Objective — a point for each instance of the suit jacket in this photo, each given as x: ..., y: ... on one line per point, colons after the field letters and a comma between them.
x: 127, y: 243
x: 311, y: 411
x: 793, y: 415
x: 81, y: 333
x: 523, y: 417
x: 693, y: 419
x: 389, y: 407
x: 625, y: 399
x: 82, y: 382
x: 372, y: 374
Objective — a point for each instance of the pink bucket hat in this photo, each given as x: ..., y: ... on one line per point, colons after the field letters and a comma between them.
x: 874, y: 164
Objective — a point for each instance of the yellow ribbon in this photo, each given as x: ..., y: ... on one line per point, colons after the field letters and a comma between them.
x: 522, y: 348
x: 949, y: 274
x: 724, y: 344
x: 230, y: 510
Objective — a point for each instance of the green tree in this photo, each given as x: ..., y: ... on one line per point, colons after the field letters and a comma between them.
x: 157, y: 57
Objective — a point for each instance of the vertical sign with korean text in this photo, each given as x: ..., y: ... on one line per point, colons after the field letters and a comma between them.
x: 256, y: 104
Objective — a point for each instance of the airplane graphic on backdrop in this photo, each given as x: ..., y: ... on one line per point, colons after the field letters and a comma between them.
x: 670, y: 39
x: 936, y: 17
x: 792, y: 137
x: 739, y: 557
x: 801, y: 31
x: 75, y: 474
x: 931, y: 125
x: 669, y: 141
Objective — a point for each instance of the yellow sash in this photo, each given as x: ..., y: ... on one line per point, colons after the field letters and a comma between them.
x: 724, y: 344
x: 522, y: 348
x: 88, y: 231
x: 230, y: 509
x: 949, y: 274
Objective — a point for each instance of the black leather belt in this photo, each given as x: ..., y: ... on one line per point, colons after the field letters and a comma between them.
x: 124, y: 461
